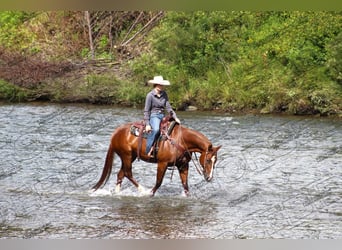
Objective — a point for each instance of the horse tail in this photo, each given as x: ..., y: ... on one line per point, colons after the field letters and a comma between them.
x: 107, y: 169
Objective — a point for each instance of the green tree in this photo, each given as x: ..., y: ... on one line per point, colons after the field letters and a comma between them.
x: 275, y: 61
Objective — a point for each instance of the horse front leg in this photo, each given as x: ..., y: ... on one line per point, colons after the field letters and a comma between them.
x: 162, y: 166
x: 183, y: 173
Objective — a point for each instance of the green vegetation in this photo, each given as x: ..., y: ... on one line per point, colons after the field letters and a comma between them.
x: 11, y: 37
x: 232, y: 61
x: 270, y: 61
x: 11, y: 92
x: 92, y: 88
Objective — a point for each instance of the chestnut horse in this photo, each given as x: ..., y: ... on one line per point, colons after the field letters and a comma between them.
x: 176, y: 150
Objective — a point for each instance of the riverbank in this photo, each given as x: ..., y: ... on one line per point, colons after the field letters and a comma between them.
x: 112, y: 83
x: 113, y: 92
x: 111, y: 89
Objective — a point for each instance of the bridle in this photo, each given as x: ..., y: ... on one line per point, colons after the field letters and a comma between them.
x: 197, y: 163
x: 186, y: 152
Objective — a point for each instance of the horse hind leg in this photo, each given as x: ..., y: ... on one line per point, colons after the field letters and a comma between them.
x: 140, y: 188
x: 119, y: 179
x: 126, y: 171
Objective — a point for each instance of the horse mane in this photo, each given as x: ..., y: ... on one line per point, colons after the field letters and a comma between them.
x: 193, y: 139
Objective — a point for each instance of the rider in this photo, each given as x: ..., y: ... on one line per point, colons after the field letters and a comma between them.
x: 156, y: 103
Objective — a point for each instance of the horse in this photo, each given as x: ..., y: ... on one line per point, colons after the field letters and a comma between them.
x: 175, y: 150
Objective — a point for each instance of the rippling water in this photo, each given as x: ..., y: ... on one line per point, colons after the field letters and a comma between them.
x: 276, y: 177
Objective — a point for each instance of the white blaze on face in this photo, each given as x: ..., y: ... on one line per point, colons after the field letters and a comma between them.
x: 213, y: 160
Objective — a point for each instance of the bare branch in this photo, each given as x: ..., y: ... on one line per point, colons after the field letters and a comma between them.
x: 90, y: 34
x: 151, y: 22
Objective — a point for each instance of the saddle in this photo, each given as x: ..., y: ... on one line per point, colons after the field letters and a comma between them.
x: 165, y: 128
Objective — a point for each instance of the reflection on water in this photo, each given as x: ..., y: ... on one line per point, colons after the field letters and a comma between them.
x: 156, y: 217
x: 276, y: 177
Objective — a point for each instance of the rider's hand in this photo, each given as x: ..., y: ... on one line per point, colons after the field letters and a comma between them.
x: 178, y: 121
x: 148, y: 128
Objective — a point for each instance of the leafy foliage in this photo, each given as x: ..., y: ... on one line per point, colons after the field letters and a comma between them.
x: 272, y: 61
x: 10, y: 35
x: 12, y: 93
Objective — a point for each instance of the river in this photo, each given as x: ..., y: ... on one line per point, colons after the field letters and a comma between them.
x: 276, y: 177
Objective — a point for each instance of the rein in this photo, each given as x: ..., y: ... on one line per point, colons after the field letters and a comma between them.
x: 183, y: 150
x: 196, y: 165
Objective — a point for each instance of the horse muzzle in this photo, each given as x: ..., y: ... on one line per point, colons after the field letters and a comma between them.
x: 208, y: 175
x: 208, y: 178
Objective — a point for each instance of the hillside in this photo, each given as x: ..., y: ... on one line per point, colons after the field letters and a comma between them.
x: 287, y: 62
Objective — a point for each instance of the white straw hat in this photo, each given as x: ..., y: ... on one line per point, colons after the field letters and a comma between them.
x: 159, y: 80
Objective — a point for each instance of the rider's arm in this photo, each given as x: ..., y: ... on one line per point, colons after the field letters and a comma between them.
x: 147, y: 109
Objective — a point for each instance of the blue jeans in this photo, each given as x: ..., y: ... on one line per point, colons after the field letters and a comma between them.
x: 155, y: 120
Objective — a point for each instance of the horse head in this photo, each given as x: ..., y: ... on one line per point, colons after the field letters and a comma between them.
x: 208, y: 159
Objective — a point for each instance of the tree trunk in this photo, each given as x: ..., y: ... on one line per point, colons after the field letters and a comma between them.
x: 90, y: 33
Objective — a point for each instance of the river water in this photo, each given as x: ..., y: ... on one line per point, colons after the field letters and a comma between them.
x: 276, y: 177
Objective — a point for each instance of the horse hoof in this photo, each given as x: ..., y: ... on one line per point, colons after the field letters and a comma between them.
x: 151, y: 193
x: 143, y: 190
x: 117, y: 189
x: 185, y: 194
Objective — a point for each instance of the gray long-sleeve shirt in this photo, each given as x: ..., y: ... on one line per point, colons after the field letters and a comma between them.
x: 157, y: 104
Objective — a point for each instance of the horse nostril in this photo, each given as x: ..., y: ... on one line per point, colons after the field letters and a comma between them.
x: 208, y: 178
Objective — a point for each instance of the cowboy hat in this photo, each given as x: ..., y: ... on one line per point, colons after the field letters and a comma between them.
x: 159, y: 80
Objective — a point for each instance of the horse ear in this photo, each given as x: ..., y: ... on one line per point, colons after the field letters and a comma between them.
x: 217, y: 148
x: 210, y: 148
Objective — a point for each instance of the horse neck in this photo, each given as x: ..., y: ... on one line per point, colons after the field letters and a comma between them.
x: 193, y: 141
